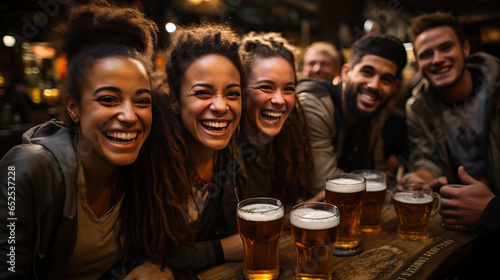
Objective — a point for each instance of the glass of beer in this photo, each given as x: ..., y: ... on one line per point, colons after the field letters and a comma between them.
x: 376, y: 186
x: 451, y: 226
x: 415, y: 204
x: 260, y: 224
x: 347, y: 192
x: 314, y: 228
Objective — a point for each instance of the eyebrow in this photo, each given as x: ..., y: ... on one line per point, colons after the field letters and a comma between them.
x: 384, y: 74
x: 117, y: 90
x: 212, y: 87
x: 272, y: 82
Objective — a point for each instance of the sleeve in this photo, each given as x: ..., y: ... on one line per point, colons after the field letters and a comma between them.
x: 20, y: 170
x: 203, y: 255
x: 322, y: 131
x: 421, y: 145
x: 490, y: 219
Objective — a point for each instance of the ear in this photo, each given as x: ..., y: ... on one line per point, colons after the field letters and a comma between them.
x: 175, y: 106
x: 73, y: 108
x: 344, y: 70
x: 466, y: 48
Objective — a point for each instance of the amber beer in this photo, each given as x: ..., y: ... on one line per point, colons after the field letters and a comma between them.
x: 376, y: 186
x: 414, y: 206
x: 314, y: 228
x: 347, y: 192
x: 260, y: 224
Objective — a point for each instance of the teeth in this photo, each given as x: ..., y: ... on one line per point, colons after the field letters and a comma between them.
x: 215, y: 124
x: 122, y: 135
x: 272, y: 114
x: 443, y: 70
x: 368, y: 97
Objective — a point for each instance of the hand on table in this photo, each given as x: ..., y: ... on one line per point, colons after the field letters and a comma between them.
x: 150, y: 271
x: 465, y: 205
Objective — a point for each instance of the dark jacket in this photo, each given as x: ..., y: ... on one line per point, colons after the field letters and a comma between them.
x: 38, y: 178
x: 219, y: 217
x: 428, y: 145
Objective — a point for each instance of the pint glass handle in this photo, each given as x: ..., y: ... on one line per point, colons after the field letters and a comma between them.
x: 436, y: 204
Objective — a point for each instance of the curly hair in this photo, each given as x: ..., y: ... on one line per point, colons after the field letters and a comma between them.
x: 195, y: 42
x: 98, y: 30
x: 425, y: 22
x: 151, y: 225
x: 290, y: 151
x: 265, y: 45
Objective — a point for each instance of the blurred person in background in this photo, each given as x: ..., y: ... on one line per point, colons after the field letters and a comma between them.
x: 321, y: 60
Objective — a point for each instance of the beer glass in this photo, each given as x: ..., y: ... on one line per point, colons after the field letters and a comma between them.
x: 347, y: 192
x: 415, y: 203
x: 314, y: 228
x: 260, y: 224
x: 456, y: 227
x: 376, y: 186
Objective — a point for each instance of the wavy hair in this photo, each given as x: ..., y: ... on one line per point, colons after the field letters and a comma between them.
x: 290, y: 151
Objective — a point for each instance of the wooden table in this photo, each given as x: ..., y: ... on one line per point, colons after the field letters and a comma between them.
x: 386, y: 256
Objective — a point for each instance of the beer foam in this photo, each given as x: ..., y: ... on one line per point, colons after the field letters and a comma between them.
x: 375, y: 186
x: 345, y: 185
x: 413, y: 198
x: 260, y: 212
x: 308, y: 218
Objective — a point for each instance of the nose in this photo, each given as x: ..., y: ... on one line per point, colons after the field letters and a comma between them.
x: 316, y: 67
x: 127, y: 113
x: 278, y: 98
x: 374, y: 83
x: 437, y: 57
x: 219, y: 105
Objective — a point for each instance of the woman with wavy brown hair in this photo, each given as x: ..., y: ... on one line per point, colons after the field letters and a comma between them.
x: 205, y: 76
x: 102, y: 186
x: 273, y: 142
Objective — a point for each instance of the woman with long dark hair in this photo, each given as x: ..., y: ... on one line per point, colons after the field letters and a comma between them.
x: 99, y: 187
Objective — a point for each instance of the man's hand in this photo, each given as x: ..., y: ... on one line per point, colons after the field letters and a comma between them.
x: 150, y: 271
x: 464, y: 206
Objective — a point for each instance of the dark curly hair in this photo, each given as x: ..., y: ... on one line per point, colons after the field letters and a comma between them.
x: 195, y: 42
x: 290, y: 151
x: 151, y: 224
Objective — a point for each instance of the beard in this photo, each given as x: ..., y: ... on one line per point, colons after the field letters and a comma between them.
x: 351, y: 93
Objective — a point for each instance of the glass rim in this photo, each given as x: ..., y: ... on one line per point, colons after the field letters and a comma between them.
x: 336, y: 214
x: 279, y: 204
x: 454, y: 185
x: 367, y: 171
x: 347, y: 176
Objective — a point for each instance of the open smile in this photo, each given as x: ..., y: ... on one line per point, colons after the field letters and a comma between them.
x: 215, y: 126
x: 121, y: 138
x: 271, y: 116
x: 369, y: 98
x: 441, y: 71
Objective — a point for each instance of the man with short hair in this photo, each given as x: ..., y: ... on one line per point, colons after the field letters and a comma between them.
x: 321, y: 61
x: 453, y: 121
x: 345, y: 120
